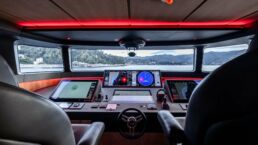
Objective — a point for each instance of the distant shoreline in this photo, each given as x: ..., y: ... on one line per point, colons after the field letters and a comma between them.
x: 30, y: 68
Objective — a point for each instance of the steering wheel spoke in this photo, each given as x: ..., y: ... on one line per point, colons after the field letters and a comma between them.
x: 139, y: 118
x: 124, y: 118
x: 132, y: 123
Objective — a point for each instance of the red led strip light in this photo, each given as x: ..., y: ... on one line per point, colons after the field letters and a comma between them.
x: 130, y: 24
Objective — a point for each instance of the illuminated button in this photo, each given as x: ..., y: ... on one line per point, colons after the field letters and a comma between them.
x: 124, y: 79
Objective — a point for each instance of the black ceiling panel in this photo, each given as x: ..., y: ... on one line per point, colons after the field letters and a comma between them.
x: 148, y: 35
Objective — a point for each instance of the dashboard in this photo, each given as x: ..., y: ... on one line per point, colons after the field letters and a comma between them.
x: 103, y: 98
x: 126, y: 87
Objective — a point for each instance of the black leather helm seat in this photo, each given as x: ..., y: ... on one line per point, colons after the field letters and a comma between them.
x: 223, y: 109
x: 29, y: 119
x: 6, y: 73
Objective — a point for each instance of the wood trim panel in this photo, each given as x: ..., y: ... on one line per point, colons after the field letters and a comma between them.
x: 94, y: 9
x: 156, y: 10
x: 41, y: 84
x: 33, y: 10
x: 220, y: 10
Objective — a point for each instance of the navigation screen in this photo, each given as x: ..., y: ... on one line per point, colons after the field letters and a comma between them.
x: 74, y: 90
x: 145, y: 78
x: 181, y: 90
x: 132, y: 78
x: 117, y: 78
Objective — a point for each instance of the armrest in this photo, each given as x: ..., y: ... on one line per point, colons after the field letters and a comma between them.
x: 88, y: 134
x: 171, y: 127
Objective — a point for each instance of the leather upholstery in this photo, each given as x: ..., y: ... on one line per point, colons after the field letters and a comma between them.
x: 230, y: 92
x: 172, y: 129
x: 6, y: 72
x: 223, y: 108
x: 238, y: 131
x: 92, y: 135
x: 11, y: 142
x: 29, y: 119
x: 79, y: 130
x: 89, y: 135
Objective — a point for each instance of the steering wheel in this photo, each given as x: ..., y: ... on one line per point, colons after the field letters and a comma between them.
x: 132, y: 123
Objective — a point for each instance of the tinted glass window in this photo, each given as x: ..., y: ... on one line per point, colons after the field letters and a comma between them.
x: 39, y: 59
x: 216, y: 56
x: 99, y: 60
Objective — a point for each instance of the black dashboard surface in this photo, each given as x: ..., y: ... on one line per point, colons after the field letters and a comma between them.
x: 96, y: 109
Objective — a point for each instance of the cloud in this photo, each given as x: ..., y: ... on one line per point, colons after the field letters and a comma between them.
x: 227, y: 48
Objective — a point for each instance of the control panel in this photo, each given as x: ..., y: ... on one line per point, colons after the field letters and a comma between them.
x: 120, y: 89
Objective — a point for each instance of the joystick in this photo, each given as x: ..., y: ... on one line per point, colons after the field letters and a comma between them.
x: 106, y: 98
x: 161, y: 94
x: 99, y: 97
x: 165, y: 104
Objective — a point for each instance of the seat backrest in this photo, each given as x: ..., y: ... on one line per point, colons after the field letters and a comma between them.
x: 29, y: 119
x: 234, y: 132
x: 228, y: 93
x: 6, y: 73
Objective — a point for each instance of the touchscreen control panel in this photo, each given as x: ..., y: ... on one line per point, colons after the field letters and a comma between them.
x: 181, y: 90
x: 132, y: 78
x: 74, y: 90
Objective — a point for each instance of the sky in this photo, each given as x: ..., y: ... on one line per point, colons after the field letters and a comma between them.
x: 144, y: 53
x: 227, y: 48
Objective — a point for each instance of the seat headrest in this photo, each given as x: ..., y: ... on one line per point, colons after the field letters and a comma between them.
x: 6, y: 73
x: 254, y: 44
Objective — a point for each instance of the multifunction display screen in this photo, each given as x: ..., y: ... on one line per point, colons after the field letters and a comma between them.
x: 132, y: 78
x: 75, y: 90
x: 181, y: 90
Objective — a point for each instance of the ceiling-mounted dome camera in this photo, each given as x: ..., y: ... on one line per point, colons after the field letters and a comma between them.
x: 132, y: 54
x: 132, y: 44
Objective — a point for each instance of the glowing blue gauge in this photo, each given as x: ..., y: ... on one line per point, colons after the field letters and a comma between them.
x: 145, y: 78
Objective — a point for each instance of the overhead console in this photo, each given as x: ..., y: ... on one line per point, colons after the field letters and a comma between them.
x: 132, y: 78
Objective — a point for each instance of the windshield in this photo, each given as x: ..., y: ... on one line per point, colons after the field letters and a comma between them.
x: 216, y: 56
x: 164, y: 60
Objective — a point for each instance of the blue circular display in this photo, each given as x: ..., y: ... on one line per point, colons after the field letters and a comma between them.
x: 145, y: 78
